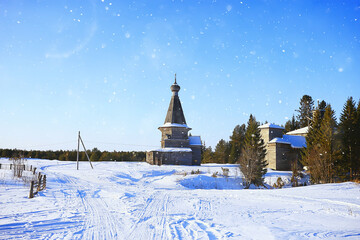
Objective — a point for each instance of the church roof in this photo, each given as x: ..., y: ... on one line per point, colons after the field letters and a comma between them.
x: 173, y: 150
x: 270, y: 125
x: 295, y: 141
x: 175, y: 112
x: 194, y: 140
x: 303, y: 130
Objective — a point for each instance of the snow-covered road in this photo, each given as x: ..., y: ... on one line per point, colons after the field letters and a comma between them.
x: 138, y: 201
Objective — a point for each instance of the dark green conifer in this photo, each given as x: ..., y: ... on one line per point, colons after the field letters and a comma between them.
x: 222, y: 152
x: 236, y: 143
x: 292, y: 124
x: 319, y: 154
x: 252, y: 160
x: 349, y: 132
x: 207, y: 155
x: 305, y: 111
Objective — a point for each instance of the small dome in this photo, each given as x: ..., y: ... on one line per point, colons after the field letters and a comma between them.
x: 175, y: 87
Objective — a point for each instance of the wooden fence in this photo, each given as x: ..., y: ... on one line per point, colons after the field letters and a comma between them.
x: 35, y: 186
x: 11, y: 166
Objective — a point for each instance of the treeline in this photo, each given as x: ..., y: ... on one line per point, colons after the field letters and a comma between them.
x: 94, y: 154
x: 333, y: 148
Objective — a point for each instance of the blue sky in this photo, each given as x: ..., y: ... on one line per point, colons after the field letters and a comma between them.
x: 105, y: 67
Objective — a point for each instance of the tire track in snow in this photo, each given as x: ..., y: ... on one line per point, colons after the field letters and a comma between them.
x: 152, y: 216
x: 99, y: 221
x: 80, y: 213
x: 59, y: 220
x: 156, y: 221
x: 195, y: 227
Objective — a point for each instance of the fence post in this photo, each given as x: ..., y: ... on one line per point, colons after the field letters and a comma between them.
x: 31, y: 194
x: 10, y: 166
x: 30, y: 168
x: 0, y: 165
x: 34, y: 170
x: 44, y: 183
x: 39, y: 183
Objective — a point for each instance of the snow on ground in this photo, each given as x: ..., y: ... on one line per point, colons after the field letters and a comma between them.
x: 130, y: 200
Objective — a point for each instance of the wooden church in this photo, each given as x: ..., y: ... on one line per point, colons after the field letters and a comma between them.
x: 177, y: 147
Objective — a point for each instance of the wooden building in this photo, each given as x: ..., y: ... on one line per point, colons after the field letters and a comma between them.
x: 177, y: 147
x: 282, y: 149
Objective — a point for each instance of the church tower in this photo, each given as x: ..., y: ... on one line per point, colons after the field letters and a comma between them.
x: 176, y: 145
x: 174, y: 132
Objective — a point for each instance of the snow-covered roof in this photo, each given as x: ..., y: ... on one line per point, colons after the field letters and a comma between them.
x: 174, y: 125
x: 173, y: 150
x: 303, y: 130
x: 270, y: 125
x: 195, y: 140
x: 295, y: 141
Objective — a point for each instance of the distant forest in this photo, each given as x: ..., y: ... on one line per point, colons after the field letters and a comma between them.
x: 94, y: 155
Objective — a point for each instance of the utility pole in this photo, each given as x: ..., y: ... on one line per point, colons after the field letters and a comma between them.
x: 77, y: 155
x: 77, y: 159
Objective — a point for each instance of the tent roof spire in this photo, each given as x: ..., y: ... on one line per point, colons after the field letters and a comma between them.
x: 175, y: 112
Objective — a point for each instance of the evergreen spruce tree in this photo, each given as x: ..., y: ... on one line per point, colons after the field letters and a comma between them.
x: 207, y: 155
x: 319, y: 155
x: 292, y: 124
x: 357, y: 141
x: 236, y: 143
x: 95, y: 155
x: 327, y: 139
x: 305, y: 111
x: 222, y: 152
x: 322, y: 105
x: 349, y: 131
x: 252, y: 160
x: 313, y: 129
x: 309, y: 153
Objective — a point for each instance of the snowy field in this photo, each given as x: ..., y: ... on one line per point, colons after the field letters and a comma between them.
x: 138, y: 201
